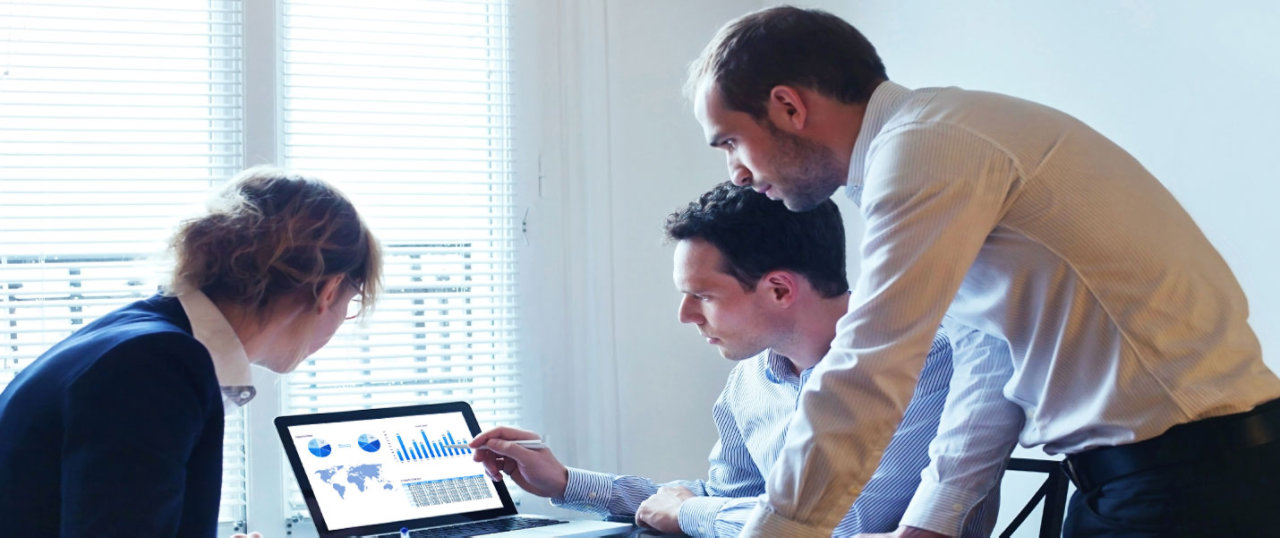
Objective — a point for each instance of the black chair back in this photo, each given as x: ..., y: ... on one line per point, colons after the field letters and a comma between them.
x: 1053, y: 491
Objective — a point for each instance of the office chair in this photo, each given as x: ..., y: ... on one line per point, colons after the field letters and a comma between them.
x: 1053, y: 491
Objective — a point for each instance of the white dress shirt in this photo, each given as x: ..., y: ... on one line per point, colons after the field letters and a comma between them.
x: 230, y: 362
x: 1059, y: 253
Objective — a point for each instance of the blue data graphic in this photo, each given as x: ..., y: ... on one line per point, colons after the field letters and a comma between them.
x: 425, y: 449
x: 368, y: 443
x: 319, y: 448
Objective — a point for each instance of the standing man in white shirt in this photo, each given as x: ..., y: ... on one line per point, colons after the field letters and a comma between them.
x: 1048, y: 245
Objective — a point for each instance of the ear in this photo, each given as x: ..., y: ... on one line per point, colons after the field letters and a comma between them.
x: 787, y: 108
x: 328, y: 296
x: 781, y: 287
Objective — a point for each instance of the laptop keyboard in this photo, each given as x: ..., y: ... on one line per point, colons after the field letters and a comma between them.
x: 480, y: 527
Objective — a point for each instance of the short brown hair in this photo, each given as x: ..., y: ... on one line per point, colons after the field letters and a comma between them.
x: 808, y: 48
x: 757, y: 235
x: 269, y: 234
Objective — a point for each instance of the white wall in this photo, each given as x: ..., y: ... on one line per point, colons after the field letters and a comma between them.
x: 1185, y: 86
x: 1189, y: 87
x: 621, y: 385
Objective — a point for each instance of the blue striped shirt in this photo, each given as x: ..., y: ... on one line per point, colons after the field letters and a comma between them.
x: 752, y: 414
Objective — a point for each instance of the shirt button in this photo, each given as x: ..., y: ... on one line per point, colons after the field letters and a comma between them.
x: 591, y: 495
x: 244, y: 394
x: 957, y: 507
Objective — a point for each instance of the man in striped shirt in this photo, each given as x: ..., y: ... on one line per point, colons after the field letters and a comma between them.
x: 765, y: 286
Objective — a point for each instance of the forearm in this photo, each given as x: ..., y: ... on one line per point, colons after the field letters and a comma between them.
x: 621, y: 495
x: 716, y: 516
x: 977, y: 432
x: 606, y: 494
x: 830, y: 454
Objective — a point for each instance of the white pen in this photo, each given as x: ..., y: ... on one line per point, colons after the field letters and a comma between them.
x: 531, y: 444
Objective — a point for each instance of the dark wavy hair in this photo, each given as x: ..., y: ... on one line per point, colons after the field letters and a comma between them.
x: 757, y: 235
x: 269, y: 234
x: 787, y: 45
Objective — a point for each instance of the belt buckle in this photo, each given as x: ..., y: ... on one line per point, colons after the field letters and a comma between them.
x: 1074, y: 474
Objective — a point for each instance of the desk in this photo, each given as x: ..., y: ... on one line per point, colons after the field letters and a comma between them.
x: 637, y: 531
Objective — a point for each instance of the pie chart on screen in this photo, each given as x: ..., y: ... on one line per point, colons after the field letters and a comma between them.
x: 368, y: 443
x: 319, y: 447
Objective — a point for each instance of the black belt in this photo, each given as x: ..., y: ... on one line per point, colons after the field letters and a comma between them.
x: 1180, y: 444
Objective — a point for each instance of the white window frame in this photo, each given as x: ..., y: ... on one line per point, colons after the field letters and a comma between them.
x: 267, y: 471
x: 262, y: 146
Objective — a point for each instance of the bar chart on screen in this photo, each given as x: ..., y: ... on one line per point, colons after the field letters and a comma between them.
x: 418, y: 447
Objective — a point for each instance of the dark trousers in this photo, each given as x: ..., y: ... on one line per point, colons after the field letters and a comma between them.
x: 1233, y: 493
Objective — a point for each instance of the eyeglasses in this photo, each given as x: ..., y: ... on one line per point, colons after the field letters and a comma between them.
x: 356, y: 307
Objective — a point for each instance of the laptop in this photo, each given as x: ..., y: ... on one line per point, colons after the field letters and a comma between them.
x: 377, y: 471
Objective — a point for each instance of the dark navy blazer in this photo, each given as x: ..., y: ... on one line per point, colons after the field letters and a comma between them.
x: 116, y: 430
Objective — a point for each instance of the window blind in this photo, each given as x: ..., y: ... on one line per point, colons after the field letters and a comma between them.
x: 116, y: 116
x: 405, y: 106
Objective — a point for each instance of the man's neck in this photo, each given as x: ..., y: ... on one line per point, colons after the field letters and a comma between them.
x: 833, y: 123
x: 813, y: 333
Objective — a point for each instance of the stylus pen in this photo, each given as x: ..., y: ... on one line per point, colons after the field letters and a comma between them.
x: 531, y: 444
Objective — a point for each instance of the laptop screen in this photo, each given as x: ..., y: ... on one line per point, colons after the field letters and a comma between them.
x: 368, y: 470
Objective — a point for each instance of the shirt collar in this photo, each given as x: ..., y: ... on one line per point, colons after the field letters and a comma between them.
x: 884, y: 103
x: 778, y: 369
x: 230, y: 362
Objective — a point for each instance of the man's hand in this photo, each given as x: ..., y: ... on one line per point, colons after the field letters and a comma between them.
x: 661, y: 512
x: 535, y: 471
x: 250, y: 535
x: 905, y: 532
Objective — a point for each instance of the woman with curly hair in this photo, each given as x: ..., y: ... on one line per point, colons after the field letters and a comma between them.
x: 118, y: 428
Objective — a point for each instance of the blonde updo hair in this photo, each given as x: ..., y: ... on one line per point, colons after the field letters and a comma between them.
x: 270, y: 235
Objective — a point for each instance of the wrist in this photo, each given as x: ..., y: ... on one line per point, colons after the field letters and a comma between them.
x: 916, y: 532
x: 562, y: 481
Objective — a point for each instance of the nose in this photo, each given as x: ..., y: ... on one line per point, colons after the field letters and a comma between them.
x: 688, y: 312
x: 739, y: 175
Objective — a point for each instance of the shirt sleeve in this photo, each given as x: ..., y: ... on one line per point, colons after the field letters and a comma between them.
x: 621, y: 495
x: 131, y: 422
x: 605, y: 494
x: 734, y: 482
x: 976, y: 434
x: 704, y: 517
x: 723, y: 501
x: 932, y: 195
